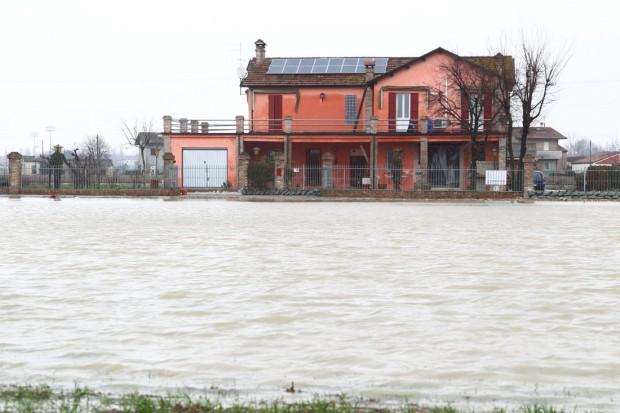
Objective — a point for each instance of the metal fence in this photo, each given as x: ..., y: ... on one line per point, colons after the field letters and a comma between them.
x: 205, y: 177
x: 594, y: 178
x: 439, y: 125
x: 4, y: 178
x: 63, y: 178
x: 401, y: 179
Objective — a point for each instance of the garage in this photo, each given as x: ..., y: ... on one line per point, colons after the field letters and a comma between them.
x: 205, y: 168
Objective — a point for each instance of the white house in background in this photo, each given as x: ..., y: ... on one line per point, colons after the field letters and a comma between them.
x: 153, y: 152
x: 544, y: 144
x: 33, y: 165
x: 581, y: 163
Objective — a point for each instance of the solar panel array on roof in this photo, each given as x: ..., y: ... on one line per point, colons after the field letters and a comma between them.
x: 322, y: 65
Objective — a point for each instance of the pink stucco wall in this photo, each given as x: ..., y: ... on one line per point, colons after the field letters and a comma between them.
x: 179, y: 142
x: 308, y: 106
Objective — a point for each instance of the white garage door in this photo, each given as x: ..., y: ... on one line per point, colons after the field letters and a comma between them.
x: 205, y: 168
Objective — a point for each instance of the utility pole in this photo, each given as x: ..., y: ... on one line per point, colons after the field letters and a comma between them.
x: 34, y: 135
x: 49, y: 130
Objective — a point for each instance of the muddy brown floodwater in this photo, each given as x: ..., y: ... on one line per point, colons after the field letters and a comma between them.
x: 471, y: 304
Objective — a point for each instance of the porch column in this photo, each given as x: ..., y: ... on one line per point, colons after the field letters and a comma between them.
x: 289, y: 161
x: 15, y: 172
x: 280, y: 167
x: 242, y: 177
x: 287, y: 128
x: 422, y: 174
x: 327, y: 170
x: 239, y: 130
x: 373, y: 162
x: 171, y: 172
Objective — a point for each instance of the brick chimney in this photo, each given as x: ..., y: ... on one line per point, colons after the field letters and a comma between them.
x: 260, y: 51
x: 370, y: 69
x: 369, y: 100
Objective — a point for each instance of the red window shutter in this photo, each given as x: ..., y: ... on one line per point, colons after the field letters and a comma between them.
x: 275, y: 112
x: 487, y: 111
x: 464, y: 110
x: 414, y: 110
x: 392, y: 112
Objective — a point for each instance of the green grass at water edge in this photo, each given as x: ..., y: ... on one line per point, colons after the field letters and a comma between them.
x: 44, y: 399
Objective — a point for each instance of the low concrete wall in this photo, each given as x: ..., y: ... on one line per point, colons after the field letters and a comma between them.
x: 421, y: 194
x: 101, y: 192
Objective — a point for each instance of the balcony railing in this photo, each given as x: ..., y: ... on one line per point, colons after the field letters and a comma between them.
x: 288, y: 125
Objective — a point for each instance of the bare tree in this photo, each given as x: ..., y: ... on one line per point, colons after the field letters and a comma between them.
x: 468, y: 98
x: 502, y: 68
x: 96, y: 153
x: 140, y: 137
x: 583, y: 146
x: 536, y: 78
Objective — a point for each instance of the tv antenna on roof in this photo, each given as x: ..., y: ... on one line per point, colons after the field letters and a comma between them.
x: 241, y: 72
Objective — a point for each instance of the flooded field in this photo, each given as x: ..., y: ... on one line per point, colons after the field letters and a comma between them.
x: 472, y: 304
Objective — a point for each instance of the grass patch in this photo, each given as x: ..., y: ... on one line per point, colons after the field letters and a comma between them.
x: 44, y: 399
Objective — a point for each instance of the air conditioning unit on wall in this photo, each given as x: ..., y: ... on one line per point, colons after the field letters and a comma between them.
x: 440, y: 123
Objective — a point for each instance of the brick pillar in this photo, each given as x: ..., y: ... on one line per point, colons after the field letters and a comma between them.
x: 15, y: 172
x: 242, y: 177
x: 204, y: 127
x: 171, y: 172
x: 167, y: 124
x: 183, y: 125
x: 529, y: 165
x: 194, y: 126
x: 422, y: 174
x: 239, y: 124
x: 280, y: 170
x: 287, y: 125
x: 423, y: 125
x: 327, y: 170
x: 501, y: 154
x: 371, y: 126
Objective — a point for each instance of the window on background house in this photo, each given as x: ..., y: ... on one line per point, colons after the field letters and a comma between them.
x: 549, y: 165
x: 546, y: 146
x: 350, y: 109
x: 475, y: 105
x: 389, y: 159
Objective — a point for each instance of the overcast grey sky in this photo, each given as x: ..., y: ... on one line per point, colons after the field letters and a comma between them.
x: 85, y: 66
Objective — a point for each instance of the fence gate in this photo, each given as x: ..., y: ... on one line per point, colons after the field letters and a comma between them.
x: 205, y: 168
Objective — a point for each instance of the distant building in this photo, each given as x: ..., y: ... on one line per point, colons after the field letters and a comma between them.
x: 33, y: 165
x: 581, y: 163
x: 544, y: 145
x: 153, y: 152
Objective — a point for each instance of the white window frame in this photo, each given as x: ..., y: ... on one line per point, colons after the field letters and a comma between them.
x: 403, y: 111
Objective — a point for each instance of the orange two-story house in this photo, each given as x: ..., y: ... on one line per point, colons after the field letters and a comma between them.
x: 360, y: 116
